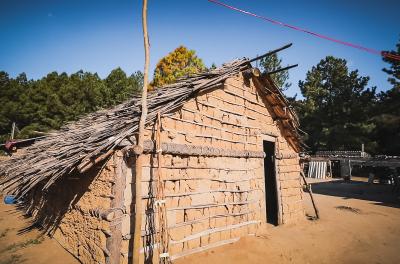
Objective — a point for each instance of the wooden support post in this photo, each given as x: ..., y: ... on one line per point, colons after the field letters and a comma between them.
x: 350, y: 170
x: 12, y: 130
x: 311, y: 195
x: 163, y: 237
x: 139, y: 148
x: 345, y: 169
x: 114, y: 239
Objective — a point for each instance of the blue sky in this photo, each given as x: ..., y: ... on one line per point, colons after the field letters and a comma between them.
x: 40, y: 36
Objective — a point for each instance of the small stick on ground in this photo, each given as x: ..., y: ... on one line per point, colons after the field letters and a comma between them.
x: 348, y: 208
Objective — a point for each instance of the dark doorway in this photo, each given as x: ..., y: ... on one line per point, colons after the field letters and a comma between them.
x: 335, y: 168
x: 271, y: 196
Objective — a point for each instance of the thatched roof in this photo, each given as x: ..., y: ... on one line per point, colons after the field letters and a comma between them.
x: 79, y: 145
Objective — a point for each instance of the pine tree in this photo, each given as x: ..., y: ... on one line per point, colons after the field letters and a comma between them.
x: 48, y: 103
x: 272, y: 63
x: 337, y: 107
x: 387, y: 110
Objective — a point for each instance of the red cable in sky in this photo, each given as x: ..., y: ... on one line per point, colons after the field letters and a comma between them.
x: 373, y: 51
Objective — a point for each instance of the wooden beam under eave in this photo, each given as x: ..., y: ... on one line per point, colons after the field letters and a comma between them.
x: 276, y: 103
x: 280, y: 112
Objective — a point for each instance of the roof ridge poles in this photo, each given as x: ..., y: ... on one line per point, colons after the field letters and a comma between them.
x: 269, y: 53
x: 283, y: 69
x: 138, y: 149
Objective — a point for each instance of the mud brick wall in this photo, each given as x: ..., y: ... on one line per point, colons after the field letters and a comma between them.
x: 210, y: 201
x: 74, y: 212
x: 288, y: 173
x: 214, y: 200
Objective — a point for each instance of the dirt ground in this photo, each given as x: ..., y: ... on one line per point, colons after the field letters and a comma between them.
x: 368, y: 234
x: 17, y: 246
x: 359, y: 223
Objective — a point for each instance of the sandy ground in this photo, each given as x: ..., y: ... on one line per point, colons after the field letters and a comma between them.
x: 367, y: 233
x: 28, y: 247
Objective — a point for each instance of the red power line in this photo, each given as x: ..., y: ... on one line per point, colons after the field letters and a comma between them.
x: 373, y: 51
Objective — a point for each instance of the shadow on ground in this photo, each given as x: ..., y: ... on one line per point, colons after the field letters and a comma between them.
x: 378, y: 194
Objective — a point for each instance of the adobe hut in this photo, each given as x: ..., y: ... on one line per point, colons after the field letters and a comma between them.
x: 222, y: 159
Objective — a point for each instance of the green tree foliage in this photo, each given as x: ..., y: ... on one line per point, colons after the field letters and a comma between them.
x: 272, y: 63
x: 47, y: 103
x: 120, y: 87
x: 213, y: 67
x: 394, y: 70
x: 387, y: 110
x: 181, y: 62
x: 337, y: 107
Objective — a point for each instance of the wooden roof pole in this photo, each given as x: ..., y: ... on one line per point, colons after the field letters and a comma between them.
x: 269, y: 53
x: 139, y: 147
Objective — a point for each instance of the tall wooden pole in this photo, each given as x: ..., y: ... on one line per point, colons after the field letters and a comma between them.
x: 139, y: 148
